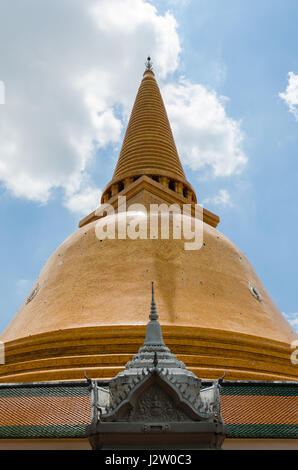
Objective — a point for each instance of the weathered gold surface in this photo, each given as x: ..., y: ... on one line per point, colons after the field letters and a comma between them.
x: 93, y: 300
x: 91, y: 306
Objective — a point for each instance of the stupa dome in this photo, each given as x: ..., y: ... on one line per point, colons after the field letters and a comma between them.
x: 88, y: 308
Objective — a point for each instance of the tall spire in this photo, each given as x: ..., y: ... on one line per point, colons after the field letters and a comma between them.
x: 148, y: 63
x: 148, y: 147
x: 153, y: 312
x: 154, y: 349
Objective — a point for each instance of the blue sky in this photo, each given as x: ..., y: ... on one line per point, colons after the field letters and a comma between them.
x: 71, y: 71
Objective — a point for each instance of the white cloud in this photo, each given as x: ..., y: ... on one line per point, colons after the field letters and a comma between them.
x: 71, y: 74
x: 84, y: 201
x: 205, y: 135
x: 139, y: 26
x: 290, y: 96
x: 67, y: 65
x: 292, y: 319
x: 222, y: 198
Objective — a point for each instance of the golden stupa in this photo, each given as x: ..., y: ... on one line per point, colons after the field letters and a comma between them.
x: 88, y: 308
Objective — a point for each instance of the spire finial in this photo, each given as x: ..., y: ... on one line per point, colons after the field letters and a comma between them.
x: 148, y: 63
x: 153, y: 312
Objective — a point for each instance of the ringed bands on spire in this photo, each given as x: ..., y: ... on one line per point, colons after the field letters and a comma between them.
x: 148, y: 147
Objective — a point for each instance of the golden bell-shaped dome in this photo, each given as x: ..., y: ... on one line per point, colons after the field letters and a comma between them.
x: 89, y: 306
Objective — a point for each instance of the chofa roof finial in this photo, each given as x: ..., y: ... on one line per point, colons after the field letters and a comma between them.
x: 148, y: 63
x: 153, y: 312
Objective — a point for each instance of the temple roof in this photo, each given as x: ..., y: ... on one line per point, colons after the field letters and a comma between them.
x: 62, y: 410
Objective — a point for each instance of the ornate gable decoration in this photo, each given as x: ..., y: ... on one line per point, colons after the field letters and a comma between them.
x: 155, y: 399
